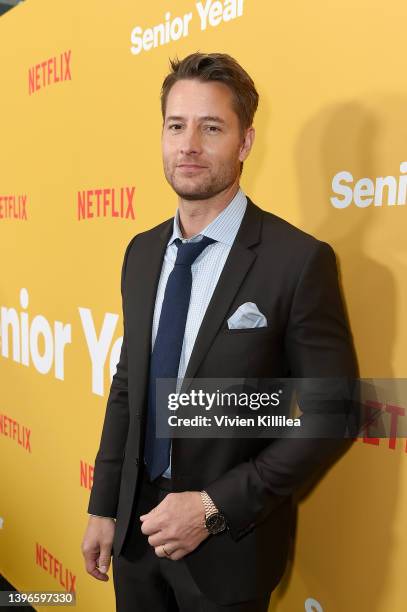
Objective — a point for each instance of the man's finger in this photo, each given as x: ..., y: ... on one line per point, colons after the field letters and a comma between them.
x: 171, y: 551
x: 104, y: 559
x: 150, y: 526
x: 91, y: 565
x: 157, y: 538
x: 98, y: 575
x: 150, y: 514
x: 178, y: 554
x: 91, y: 558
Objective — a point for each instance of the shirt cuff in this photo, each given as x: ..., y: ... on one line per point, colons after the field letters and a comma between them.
x: 99, y: 516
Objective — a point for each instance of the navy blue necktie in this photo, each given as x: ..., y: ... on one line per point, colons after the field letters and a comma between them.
x: 167, y: 347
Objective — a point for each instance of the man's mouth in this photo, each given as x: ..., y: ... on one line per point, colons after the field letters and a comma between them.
x: 190, y: 167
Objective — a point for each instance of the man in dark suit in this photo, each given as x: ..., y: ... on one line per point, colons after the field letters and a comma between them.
x: 223, y: 290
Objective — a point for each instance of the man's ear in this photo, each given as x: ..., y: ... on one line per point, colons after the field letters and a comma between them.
x: 247, y: 143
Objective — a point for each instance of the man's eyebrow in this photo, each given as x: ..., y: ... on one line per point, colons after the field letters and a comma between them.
x: 174, y: 118
x: 213, y: 118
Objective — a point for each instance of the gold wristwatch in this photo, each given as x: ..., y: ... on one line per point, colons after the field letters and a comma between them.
x: 215, y: 521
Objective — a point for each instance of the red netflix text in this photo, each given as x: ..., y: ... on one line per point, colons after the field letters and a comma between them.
x: 13, y: 207
x: 55, y: 568
x: 52, y: 70
x: 86, y: 475
x: 16, y: 431
x: 395, y: 412
x: 106, y: 202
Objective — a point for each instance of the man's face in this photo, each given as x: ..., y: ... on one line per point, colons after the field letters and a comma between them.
x: 202, y: 143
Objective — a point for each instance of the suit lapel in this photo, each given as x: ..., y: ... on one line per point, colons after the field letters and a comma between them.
x: 142, y: 301
x: 238, y: 263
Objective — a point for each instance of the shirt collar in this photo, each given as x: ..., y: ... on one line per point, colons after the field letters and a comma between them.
x: 223, y: 228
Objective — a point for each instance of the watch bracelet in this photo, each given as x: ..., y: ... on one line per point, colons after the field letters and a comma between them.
x: 209, y: 505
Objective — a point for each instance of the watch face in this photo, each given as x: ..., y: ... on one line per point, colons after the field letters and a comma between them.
x: 216, y: 523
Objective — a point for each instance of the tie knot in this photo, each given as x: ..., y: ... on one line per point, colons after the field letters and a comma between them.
x: 189, y: 251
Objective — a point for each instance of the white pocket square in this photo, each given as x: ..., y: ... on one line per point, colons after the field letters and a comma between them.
x: 247, y: 316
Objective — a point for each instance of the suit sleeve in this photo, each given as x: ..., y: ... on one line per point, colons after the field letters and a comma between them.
x: 318, y: 344
x: 109, y: 459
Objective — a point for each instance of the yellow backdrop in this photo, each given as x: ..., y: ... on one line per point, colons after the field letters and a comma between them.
x: 81, y: 174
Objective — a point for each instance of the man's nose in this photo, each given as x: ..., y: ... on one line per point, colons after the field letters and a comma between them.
x: 191, y: 141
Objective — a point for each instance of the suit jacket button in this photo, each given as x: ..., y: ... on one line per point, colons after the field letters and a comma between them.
x: 137, y: 461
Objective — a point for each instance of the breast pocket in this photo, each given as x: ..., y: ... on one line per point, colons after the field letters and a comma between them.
x: 232, y: 352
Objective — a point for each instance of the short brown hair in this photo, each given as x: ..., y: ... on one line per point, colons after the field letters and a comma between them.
x: 216, y: 67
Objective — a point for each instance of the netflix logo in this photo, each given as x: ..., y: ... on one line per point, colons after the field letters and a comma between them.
x: 16, y: 431
x: 53, y: 70
x: 13, y: 207
x: 55, y: 568
x: 393, y: 412
x: 106, y: 202
x: 86, y: 475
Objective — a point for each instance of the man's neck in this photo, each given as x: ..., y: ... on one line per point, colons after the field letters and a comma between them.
x: 195, y: 215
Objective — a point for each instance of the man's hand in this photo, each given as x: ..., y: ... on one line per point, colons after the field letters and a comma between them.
x: 178, y: 523
x: 97, y: 546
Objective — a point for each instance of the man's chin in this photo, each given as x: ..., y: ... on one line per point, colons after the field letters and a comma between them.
x: 194, y: 193
x: 193, y: 197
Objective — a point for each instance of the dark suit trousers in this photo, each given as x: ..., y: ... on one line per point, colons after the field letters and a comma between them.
x: 144, y: 582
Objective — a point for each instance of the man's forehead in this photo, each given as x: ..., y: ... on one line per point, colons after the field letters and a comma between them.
x: 199, y: 89
x: 203, y: 99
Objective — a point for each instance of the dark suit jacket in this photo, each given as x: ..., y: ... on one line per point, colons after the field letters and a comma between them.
x: 292, y: 278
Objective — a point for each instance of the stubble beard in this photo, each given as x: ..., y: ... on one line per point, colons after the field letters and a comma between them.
x: 202, y: 189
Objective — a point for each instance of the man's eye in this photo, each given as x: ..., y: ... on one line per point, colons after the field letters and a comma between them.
x: 175, y: 127
x: 212, y: 128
